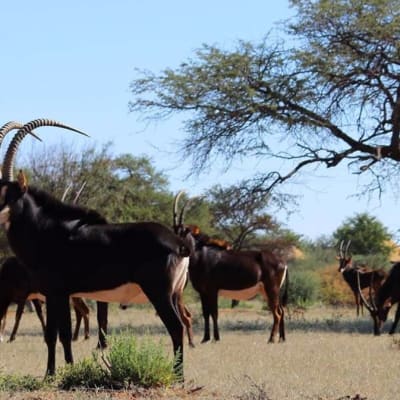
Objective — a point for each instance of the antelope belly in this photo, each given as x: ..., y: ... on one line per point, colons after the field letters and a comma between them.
x: 243, y: 294
x: 124, y: 294
x: 36, y: 296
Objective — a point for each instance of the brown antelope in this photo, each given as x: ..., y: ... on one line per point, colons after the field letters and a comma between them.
x: 368, y: 277
x: 73, y: 253
x: 216, y: 271
x: 380, y: 304
x: 18, y: 286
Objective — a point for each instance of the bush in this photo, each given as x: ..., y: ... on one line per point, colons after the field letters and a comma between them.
x: 87, y: 373
x: 133, y: 364
x: 304, y: 288
x: 315, y: 258
x: 334, y: 289
x: 126, y: 363
x: 12, y: 383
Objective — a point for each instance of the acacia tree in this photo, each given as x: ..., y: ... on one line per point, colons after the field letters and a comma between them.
x: 238, y: 221
x: 332, y: 97
x: 122, y: 188
x: 366, y: 233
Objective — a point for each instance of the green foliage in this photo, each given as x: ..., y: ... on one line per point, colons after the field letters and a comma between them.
x: 292, y: 101
x: 374, y: 261
x: 304, y: 288
x: 315, y: 257
x: 126, y: 363
x: 367, y: 234
x: 122, y: 188
x: 239, y: 217
x: 13, y: 383
x: 198, y: 213
x: 134, y: 363
x: 87, y: 373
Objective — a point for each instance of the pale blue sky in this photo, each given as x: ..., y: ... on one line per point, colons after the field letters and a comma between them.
x: 73, y: 61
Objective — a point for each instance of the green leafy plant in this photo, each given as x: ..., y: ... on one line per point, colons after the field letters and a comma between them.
x: 13, y: 383
x: 132, y: 363
x: 304, y: 289
x: 126, y: 363
x: 87, y: 373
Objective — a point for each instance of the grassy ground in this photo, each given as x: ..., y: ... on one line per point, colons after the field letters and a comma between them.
x: 329, y: 354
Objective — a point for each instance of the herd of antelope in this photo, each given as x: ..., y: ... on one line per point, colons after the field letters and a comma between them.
x: 54, y: 243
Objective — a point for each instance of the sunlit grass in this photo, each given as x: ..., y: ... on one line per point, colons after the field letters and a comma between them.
x: 329, y: 354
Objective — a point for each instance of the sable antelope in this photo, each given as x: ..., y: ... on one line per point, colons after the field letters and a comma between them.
x: 18, y: 286
x: 80, y: 307
x: 380, y: 304
x: 17, y: 290
x: 235, y: 274
x: 368, y: 277
x: 60, y: 243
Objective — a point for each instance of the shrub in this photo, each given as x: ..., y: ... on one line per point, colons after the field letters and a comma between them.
x: 126, y: 363
x: 315, y: 258
x: 334, y: 289
x: 12, y: 383
x: 87, y: 373
x: 133, y: 364
x: 304, y: 288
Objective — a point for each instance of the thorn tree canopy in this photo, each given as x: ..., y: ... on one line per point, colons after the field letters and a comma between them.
x: 326, y: 94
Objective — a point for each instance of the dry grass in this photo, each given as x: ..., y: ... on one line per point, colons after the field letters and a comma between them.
x: 329, y: 354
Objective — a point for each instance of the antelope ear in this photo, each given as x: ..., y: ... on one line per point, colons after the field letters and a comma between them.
x: 22, y: 181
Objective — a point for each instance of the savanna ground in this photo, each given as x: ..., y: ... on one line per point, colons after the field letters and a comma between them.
x: 329, y: 354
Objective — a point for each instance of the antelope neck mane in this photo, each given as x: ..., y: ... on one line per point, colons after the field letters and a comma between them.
x: 55, y: 208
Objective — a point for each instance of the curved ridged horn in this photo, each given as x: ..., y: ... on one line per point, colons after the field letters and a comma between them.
x: 8, y: 127
x: 11, y: 125
x: 175, y: 210
x: 8, y: 164
x: 78, y: 193
x: 347, y: 248
x: 67, y: 189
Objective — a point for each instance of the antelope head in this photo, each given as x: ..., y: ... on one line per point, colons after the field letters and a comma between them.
x: 11, y: 191
x: 343, y: 256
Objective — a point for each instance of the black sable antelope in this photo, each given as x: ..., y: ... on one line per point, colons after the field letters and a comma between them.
x: 380, y: 304
x: 70, y: 256
x: 368, y: 278
x: 17, y: 286
x: 240, y: 275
